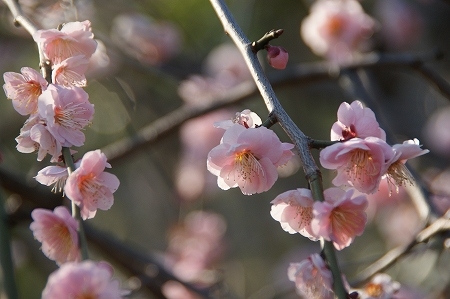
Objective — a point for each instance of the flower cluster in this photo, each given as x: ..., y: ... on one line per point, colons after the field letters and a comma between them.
x: 362, y: 159
x: 58, y: 113
x: 247, y: 157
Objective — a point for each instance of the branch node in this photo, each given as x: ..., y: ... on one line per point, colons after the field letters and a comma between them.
x: 264, y: 41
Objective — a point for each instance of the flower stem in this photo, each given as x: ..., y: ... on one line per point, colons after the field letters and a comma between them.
x: 6, y: 262
x: 68, y: 160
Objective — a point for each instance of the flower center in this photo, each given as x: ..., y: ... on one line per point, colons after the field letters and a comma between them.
x: 62, y: 237
x: 304, y: 214
x: 398, y: 175
x: 71, y: 116
x: 349, y: 133
x: 247, y: 165
x: 360, y: 165
x: 335, y: 25
x: 374, y: 290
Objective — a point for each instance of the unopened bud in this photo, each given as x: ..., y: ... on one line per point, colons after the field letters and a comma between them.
x: 277, y: 56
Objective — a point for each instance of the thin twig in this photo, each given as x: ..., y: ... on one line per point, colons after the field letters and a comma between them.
x: 440, y: 225
x: 302, y: 74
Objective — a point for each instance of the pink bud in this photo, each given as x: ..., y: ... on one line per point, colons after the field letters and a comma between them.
x: 277, y: 56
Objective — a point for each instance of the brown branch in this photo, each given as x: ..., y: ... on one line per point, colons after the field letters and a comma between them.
x: 302, y: 74
x: 440, y: 225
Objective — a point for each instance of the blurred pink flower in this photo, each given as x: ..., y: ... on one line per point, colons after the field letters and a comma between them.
x: 90, y: 187
x: 151, y: 42
x: 293, y: 209
x: 398, y: 174
x: 66, y: 112
x: 57, y: 231
x: 359, y: 162
x: 175, y: 290
x: 24, y: 89
x: 195, y: 245
x: 402, y: 23
x: 277, y: 56
x: 340, y: 218
x: 248, y: 159
x: 74, y: 38
x: 86, y: 279
x: 381, y: 286
x: 246, y: 118
x: 70, y: 71
x: 336, y: 29
x: 35, y: 136
x: 436, y: 132
x: 313, y: 279
x: 355, y: 120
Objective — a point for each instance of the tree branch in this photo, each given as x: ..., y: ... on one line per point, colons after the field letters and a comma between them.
x: 440, y: 225
x: 295, y: 134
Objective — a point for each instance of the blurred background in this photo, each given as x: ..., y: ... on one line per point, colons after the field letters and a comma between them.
x: 160, y: 56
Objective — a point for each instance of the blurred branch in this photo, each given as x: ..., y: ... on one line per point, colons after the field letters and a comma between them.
x: 439, y: 226
x: 132, y: 260
x: 302, y: 74
x: 6, y: 261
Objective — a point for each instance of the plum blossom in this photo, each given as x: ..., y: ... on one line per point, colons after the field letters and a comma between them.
x: 150, y: 41
x: 74, y: 38
x: 248, y: 159
x: 66, y: 112
x: 86, y: 279
x: 355, y: 120
x: 293, y: 209
x: 24, y: 89
x: 70, y: 71
x: 398, y: 174
x: 313, y: 279
x: 57, y: 231
x: 340, y: 218
x: 381, y: 286
x: 90, y: 187
x: 359, y: 162
x: 195, y: 245
x: 35, y: 136
x: 56, y: 175
x: 246, y: 118
x: 336, y: 29
x: 277, y: 57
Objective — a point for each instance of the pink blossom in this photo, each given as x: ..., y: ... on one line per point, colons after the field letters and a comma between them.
x: 340, y: 218
x: 74, y: 38
x: 90, y: 187
x: 57, y: 231
x: 196, y: 244
x: 150, y: 41
x: 359, y: 162
x: 54, y: 174
x: 355, y: 120
x: 24, y: 89
x: 248, y: 159
x: 35, y: 136
x: 86, y: 279
x: 313, y: 279
x: 246, y: 118
x: 66, y: 112
x: 277, y: 57
x: 381, y: 286
x: 70, y: 71
x: 175, y: 290
x: 336, y: 29
x: 293, y: 209
x: 397, y: 173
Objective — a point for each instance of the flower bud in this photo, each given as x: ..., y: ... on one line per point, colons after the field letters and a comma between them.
x: 277, y: 56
